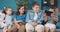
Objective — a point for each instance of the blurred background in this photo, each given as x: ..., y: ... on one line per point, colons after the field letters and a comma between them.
x: 44, y: 4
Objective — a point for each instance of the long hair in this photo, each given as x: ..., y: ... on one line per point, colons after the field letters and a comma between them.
x: 19, y: 7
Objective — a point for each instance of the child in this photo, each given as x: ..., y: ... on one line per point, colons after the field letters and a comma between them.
x: 50, y: 21
x: 34, y: 19
x: 8, y: 19
x: 19, y: 19
x: 2, y: 22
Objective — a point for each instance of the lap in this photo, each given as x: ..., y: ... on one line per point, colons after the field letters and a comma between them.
x: 49, y: 25
x: 30, y: 27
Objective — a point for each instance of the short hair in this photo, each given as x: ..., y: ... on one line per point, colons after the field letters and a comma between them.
x: 35, y: 3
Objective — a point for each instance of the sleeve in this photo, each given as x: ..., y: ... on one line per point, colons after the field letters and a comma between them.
x: 40, y: 20
x: 24, y: 17
x: 14, y: 16
x: 28, y: 17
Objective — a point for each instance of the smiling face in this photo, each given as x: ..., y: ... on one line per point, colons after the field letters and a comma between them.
x: 36, y: 8
x: 9, y: 11
x: 21, y: 10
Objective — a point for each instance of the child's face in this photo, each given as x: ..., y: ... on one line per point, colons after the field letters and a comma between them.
x: 53, y: 14
x: 36, y: 8
x: 9, y: 11
x: 21, y: 10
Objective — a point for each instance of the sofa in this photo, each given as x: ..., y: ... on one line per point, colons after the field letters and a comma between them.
x: 57, y: 30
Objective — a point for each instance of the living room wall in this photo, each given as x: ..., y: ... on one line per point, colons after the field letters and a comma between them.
x: 12, y: 3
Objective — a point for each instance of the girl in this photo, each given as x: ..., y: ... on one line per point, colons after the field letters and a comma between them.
x: 50, y: 24
x: 2, y: 22
x: 8, y: 19
x: 19, y: 18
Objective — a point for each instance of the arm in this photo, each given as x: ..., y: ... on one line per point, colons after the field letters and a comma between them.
x: 16, y: 24
x: 28, y: 17
x: 30, y: 20
x: 40, y: 19
x: 14, y: 19
x: 55, y: 18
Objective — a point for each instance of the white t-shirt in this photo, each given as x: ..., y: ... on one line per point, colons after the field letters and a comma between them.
x: 35, y: 16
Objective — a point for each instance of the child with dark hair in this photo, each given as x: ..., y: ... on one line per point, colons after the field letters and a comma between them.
x: 50, y: 21
x: 19, y: 18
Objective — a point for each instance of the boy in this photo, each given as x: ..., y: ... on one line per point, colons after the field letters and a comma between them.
x: 34, y: 19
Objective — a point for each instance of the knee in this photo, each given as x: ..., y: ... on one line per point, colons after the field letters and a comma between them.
x: 29, y: 27
x: 50, y: 26
x: 39, y: 27
x: 53, y: 27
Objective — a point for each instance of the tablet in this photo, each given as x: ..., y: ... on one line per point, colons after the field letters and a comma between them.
x: 48, y: 13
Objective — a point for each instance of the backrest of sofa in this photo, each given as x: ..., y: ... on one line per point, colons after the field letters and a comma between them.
x: 59, y: 17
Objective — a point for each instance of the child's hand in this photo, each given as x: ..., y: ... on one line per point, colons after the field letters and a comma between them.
x: 33, y: 23
x: 18, y: 26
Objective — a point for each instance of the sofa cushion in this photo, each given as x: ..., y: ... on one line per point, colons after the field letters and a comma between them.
x: 57, y: 30
x: 58, y: 23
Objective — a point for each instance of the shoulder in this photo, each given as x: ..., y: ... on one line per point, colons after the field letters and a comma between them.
x: 15, y: 14
x: 29, y: 10
x: 24, y: 15
x: 42, y: 11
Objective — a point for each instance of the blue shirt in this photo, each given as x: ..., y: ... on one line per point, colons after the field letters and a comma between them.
x: 31, y: 14
x: 19, y: 17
